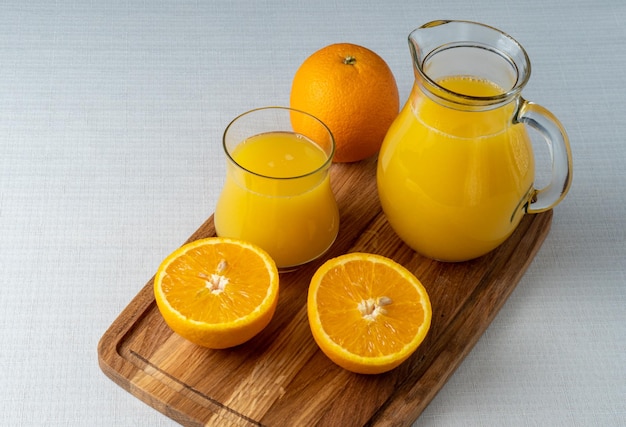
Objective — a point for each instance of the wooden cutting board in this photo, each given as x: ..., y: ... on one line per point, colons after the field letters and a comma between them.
x: 280, y: 377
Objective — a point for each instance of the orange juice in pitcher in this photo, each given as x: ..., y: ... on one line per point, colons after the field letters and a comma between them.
x: 456, y: 170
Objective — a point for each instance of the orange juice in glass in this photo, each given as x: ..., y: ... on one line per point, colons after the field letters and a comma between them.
x: 277, y: 190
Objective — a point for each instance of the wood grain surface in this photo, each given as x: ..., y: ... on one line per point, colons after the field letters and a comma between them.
x: 280, y: 377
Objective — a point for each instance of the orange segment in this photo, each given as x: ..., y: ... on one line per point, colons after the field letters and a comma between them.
x: 367, y: 313
x: 217, y: 292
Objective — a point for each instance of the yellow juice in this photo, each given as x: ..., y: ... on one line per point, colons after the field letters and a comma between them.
x: 454, y: 184
x: 277, y: 195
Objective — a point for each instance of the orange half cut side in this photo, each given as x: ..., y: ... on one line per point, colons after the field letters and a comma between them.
x: 367, y: 313
x: 217, y: 292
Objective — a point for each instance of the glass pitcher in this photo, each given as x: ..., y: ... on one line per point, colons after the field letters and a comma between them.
x: 456, y: 170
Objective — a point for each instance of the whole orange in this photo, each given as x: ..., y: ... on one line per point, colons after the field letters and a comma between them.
x: 353, y: 91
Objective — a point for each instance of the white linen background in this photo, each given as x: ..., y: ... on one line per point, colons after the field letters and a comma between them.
x: 111, y: 115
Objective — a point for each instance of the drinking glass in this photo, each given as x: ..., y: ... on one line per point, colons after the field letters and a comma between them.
x: 277, y: 191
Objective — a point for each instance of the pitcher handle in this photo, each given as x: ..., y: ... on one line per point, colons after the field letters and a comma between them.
x: 542, y: 120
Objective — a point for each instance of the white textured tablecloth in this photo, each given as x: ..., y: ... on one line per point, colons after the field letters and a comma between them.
x: 111, y: 114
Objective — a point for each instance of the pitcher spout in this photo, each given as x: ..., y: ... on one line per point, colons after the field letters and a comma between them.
x: 418, y: 42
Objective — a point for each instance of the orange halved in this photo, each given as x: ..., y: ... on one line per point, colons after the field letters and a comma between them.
x: 367, y: 313
x: 217, y: 292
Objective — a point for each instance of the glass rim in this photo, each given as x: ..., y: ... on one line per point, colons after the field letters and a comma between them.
x: 325, y: 165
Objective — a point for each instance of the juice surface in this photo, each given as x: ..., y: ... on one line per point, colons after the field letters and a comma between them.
x: 279, y: 155
x: 454, y: 184
x: 281, y: 200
